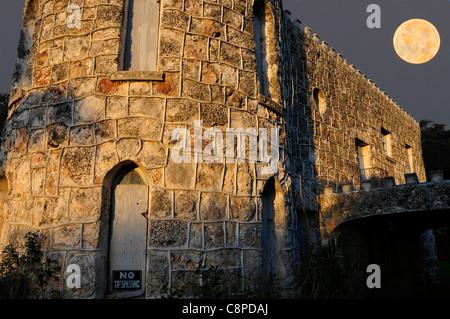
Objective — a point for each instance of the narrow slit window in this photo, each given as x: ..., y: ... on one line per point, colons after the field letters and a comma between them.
x: 363, y: 152
x: 387, y: 142
x: 409, y: 158
x: 319, y: 101
x: 142, y: 36
x: 259, y: 19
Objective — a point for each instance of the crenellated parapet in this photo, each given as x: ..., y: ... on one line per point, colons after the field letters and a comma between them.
x: 426, y: 202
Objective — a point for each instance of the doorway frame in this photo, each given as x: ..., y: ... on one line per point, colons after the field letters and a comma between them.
x: 109, y: 183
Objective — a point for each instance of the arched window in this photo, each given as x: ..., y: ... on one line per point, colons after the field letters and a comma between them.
x: 142, y: 32
x: 26, y: 51
x: 259, y: 19
x: 266, y: 50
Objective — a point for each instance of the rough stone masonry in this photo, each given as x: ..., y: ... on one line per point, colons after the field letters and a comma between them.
x: 76, y: 118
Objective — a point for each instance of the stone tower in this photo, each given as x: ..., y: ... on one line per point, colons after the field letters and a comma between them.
x: 146, y: 138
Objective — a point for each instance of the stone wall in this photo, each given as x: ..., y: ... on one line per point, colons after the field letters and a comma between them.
x: 75, y: 119
x: 323, y: 141
x: 76, y: 122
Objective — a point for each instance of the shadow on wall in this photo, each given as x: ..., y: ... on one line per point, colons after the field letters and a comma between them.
x: 300, y: 112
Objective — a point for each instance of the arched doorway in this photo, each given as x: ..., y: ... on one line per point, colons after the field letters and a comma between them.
x: 272, y: 215
x: 128, y: 233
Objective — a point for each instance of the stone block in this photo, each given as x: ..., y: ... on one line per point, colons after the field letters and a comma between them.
x: 161, y: 203
x: 171, y: 42
x: 196, y: 235
x: 143, y: 128
x: 224, y: 258
x: 77, y: 166
x: 91, y: 235
x: 209, y: 176
x: 197, y: 91
x: 186, y: 205
x: 106, y: 86
x: 242, y: 208
x: 436, y: 176
x: 36, y: 140
x: 366, y: 185
x: 76, y: 48
x: 57, y: 136
x: 214, y: 115
x: 411, y: 178
x: 82, y: 135
x: 68, y: 236
x: 153, y: 107
x: 180, y: 175
x: 232, y: 234
x: 60, y: 113
x: 152, y: 155
x: 186, y: 259
x: 166, y: 234
x: 85, y: 204
x: 105, y: 159
x: 50, y: 211
x: 105, y: 131
x: 214, y: 235
x: 157, y: 273
x: 128, y: 148
x: 182, y: 110
x: 388, y: 182
x: 169, y: 87
x: 214, y: 206
x: 81, y: 68
x: 116, y: 106
x: 88, y: 110
x: 175, y: 19
x: 230, y: 54
x: 88, y: 264
x: 250, y: 235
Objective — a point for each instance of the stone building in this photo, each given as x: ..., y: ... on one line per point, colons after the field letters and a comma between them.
x: 202, y: 132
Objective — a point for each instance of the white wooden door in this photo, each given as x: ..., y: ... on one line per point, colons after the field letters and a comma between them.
x: 128, y: 235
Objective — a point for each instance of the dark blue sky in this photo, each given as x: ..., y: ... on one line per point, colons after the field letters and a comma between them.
x: 422, y: 90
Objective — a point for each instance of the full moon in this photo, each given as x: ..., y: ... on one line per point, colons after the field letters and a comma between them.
x: 416, y: 41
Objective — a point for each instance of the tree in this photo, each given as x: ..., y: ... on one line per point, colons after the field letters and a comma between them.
x: 435, y: 147
x: 25, y: 276
x: 436, y: 151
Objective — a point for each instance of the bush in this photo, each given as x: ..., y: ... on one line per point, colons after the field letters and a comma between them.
x: 321, y: 276
x: 24, y: 276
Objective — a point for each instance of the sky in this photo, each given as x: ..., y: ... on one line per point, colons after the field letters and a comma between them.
x: 422, y: 90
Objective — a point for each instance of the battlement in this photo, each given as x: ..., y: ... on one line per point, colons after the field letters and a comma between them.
x: 436, y: 177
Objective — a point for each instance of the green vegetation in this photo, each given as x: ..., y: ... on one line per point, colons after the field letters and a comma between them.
x: 321, y: 275
x: 25, y: 276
